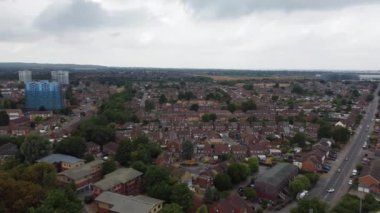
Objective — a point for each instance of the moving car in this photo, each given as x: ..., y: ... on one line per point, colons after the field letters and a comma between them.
x: 330, y: 190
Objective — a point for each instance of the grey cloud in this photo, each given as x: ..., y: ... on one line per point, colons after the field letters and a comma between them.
x: 85, y: 15
x: 236, y: 8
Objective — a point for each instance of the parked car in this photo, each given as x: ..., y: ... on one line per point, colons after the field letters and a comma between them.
x: 354, y: 172
x: 350, y: 182
x: 330, y: 190
x: 326, y: 166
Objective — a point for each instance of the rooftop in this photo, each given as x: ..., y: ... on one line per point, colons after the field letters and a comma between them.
x: 8, y: 149
x: 56, y: 158
x: 276, y: 174
x: 122, y: 175
x: 81, y: 171
x: 120, y: 202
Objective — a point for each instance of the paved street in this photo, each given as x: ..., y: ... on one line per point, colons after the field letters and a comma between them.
x: 352, y: 151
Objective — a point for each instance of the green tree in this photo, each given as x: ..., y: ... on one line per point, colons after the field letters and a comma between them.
x: 187, y: 150
x: 123, y: 152
x: 211, y: 195
x: 155, y: 175
x: 60, y: 201
x: 4, y: 118
x: 305, y: 205
x: 248, y: 105
x: 88, y: 158
x: 250, y: 193
x: 139, y: 166
x: 75, y: 146
x: 275, y: 97
x: 162, y: 99
x: 186, y: 95
x: 161, y: 191
x: 370, y: 204
x: 182, y: 195
x: 299, y: 138
x: 34, y: 148
x: 253, y: 163
x: 43, y: 174
x: 149, y: 105
x: 349, y: 203
x: 202, y: 209
x: 222, y: 182
x: 324, y: 131
x: 248, y: 86
x: 238, y: 172
x: 297, y: 89
x: 341, y: 134
x: 109, y: 166
x: 231, y: 107
x: 369, y: 98
x: 18, y: 195
x: 299, y: 184
x: 194, y: 107
x: 209, y: 117
x: 172, y: 208
x: 313, y: 178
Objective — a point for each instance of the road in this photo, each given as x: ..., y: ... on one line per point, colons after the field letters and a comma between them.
x: 339, y: 180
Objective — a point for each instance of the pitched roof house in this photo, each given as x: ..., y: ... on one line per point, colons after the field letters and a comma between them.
x: 370, y: 179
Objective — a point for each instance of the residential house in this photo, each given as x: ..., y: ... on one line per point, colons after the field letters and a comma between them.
x: 4, y: 130
x: 239, y: 151
x: 123, y: 181
x: 313, y: 160
x: 82, y: 176
x: 14, y: 113
x: 233, y: 203
x: 110, y: 202
x: 110, y: 148
x: 369, y: 181
x: 43, y: 114
x: 92, y: 148
x: 8, y: 150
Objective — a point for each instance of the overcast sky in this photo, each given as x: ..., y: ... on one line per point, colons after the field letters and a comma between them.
x: 237, y: 34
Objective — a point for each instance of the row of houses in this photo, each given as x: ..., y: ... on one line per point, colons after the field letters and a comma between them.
x: 312, y: 161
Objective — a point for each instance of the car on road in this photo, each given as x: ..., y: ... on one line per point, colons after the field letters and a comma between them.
x: 350, y: 182
x: 330, y: 190
x: 346, y: 159
x: 339, y: 170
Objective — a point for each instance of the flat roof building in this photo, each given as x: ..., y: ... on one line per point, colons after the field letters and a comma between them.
x: 43, y: 95
x: 60, y: 76
x: 113, y: 202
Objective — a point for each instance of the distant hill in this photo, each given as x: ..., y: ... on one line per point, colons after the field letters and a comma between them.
x: 11, y: 66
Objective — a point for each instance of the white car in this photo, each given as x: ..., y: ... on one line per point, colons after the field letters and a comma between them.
x: 330, y: 190
x: 350, y: 182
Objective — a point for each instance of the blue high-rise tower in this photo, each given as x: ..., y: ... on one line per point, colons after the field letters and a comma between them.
x: 43, y: 95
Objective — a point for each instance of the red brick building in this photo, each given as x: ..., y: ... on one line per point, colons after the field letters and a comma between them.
x: 125, y: 181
